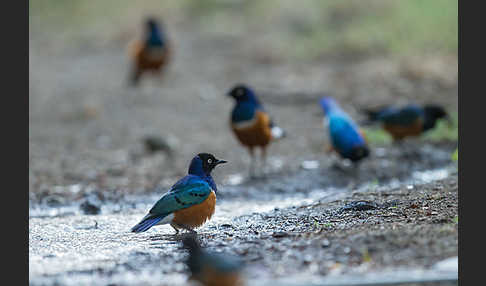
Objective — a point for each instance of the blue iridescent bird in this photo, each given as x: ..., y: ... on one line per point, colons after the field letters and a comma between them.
x: 212, y: 269
x: 152, y: 53
x: 190, y: 202
x: 251, y: 123
x: 408, y: 121
x: 346, y: 138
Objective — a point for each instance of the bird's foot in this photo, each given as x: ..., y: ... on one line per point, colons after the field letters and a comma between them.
x: 191, y: 231
x: 338, y: 167
x: 175, y: 228
x: 187, y: 228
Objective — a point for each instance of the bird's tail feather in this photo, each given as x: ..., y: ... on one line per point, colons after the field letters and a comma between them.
x: 372, y: 116
x: 146, y: 223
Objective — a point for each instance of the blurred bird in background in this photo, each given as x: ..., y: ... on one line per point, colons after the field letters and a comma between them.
x: 190, y: 202
x: 346, y: 138
x: 212, y: 269
x: 152, y: 53
x: 408, y: 121
x: 251, y: 123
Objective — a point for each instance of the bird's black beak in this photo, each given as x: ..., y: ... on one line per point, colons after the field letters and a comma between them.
x: 220, y: 162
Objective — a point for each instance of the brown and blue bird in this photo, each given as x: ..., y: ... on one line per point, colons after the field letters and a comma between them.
x: 152, y: 53
x: 190, y: 202
x: 210, y: 268
x: 408, y: 121
x: 251, y: 124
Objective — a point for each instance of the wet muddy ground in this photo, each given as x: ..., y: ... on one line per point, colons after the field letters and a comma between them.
x: 311, y: 219
x: 325, y: 223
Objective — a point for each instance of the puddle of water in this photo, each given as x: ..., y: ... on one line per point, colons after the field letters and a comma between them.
x: 310, y: 165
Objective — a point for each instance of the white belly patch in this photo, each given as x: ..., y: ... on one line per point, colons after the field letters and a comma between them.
x: 245, y: 124
x: 166, y: 220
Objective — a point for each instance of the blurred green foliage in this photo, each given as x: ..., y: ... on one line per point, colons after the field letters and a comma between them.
x: 455, y: 155
x: 303, y: 29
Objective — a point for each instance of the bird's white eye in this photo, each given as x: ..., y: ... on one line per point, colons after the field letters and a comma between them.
x: 210, y: 161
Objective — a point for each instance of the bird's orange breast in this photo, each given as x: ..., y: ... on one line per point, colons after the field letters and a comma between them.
x: 256, y: 133
x: 399, y: 131
x: 150, y: 58
x: 196, y: 215
x: 211, y: 277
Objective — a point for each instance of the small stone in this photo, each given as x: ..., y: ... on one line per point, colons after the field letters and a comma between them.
x: 89, y: 208
x: 280, y: 234
x: 360, y: 206
x: 325, y: 243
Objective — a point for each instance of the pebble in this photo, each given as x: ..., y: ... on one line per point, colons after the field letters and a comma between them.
x: 89, y: 208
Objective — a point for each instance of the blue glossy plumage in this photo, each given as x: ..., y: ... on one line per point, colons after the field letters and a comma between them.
x: 343, y: 131
x: 400, y: 116
x: 243, y: 111
x: 246, y: 107
x: 147, y: 223
x: 155, y: 37
x: 188, y: 191
x: 196, y: 168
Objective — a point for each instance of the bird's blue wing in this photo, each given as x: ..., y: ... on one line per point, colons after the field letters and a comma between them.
x: 344, y: 133
x: 243, y: 112
x: 188, y: 191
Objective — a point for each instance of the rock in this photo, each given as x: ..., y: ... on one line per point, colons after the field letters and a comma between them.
x: 325, y: 243
x: 360, y: 206
x: 159, y: 144
x: 54, y: 200
x: 280, y: 234
x: 90, y: 208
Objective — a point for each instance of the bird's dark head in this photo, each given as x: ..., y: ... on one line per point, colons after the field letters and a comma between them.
x: 154, y: 30
x: 151, y: 23
x: 241, y: 93
x: 203, y: 164
x: 435, y: 112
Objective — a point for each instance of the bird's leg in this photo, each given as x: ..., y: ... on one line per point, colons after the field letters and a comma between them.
x: 188, y: 229
x: 264, y: 160
x: 252, y: 162
x: 328, y: 149
x: 355, y: 169
x: 183, y: 226
x: 135, y: 76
